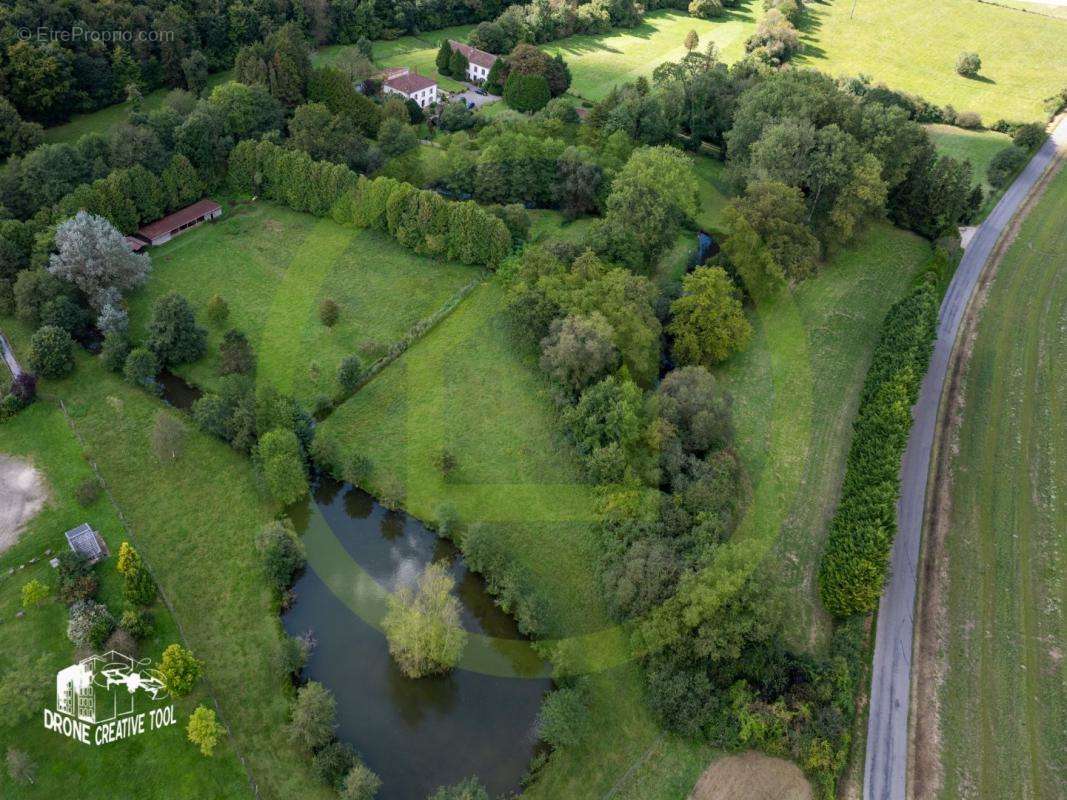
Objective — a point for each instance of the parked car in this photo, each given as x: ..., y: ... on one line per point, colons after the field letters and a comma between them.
x: 480, y: 90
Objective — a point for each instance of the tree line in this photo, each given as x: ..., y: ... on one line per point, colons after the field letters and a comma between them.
x: 177, y: 44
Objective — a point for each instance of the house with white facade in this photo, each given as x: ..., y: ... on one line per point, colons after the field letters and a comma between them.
x: 411, y: 86
x: 479, y: 62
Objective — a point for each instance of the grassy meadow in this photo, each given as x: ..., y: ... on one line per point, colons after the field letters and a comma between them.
x: 1004, y: 699
x: 836, y: 315
x: 197, y: 532
x: 978, y: 147
x: 602, y: 61
x: 273, y: 266
x: 159, y: 764
x: 912, y: 45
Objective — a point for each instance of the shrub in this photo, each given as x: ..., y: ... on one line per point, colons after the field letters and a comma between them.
x: 21, y: 767
x: 218, y: 310
x: 314, y: 717
x: 1005, y: 165
x: 173, y: 335
x: 76, y: 579
x: 564, y: 717
x: 88, y: 491
x: 33, y: 593
x: 332, y: 763
x: 180, y: 670
x: 89, y: 624
x: 526, y: 92
x: 24, y: 388
x: 329, y: 311
x: 282, y: 553
x: 51, y: 352
x: 204, y: 730
x: 137, y: 622
x: 969, y: 119
x: 141, y: 368
x: 358, y: 470
x: 1029, y: 136
x: 422, y: 625
x: 968, y: 64
x: 138, y: 587
x: 235, y: 354
x: 467, y: 789
x: 282, y: 465
x: 115, y: 351
x: 349, y: 372
x: 360, y: 783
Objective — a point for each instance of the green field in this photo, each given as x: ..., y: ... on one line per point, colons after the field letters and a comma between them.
x: 417, y: 53
x: 160, y: 764
x: 1004, y: 698
x: 978, y: 147
x: 273, y: 267
x: 912, y: 45
x: 197, y: 533
x: 612, y: 59
x: 837, y: 315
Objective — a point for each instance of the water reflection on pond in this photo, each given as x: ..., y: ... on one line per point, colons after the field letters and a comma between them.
x: 416, y: 734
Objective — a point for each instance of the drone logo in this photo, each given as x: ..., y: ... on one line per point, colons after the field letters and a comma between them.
x: 96, y: 699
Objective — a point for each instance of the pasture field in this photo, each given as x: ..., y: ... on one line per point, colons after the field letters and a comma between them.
x: 978, y: 147
x: 273, y: 266
x: 912, y: 45
x: 159, y: 764
x: 602, y: 61
x: 828, y: 333
x: 1004, y: 700
x: 197, y: 532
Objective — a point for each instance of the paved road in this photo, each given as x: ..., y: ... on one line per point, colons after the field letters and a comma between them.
x: 885, y: 772
x: 9, y: 356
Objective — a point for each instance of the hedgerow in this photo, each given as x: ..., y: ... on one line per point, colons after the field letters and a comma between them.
x: 856, y: 559
x: 418, y: 219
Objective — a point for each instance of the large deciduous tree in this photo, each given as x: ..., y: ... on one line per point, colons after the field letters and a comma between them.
x: 708, y: 323
x: 94, y: 256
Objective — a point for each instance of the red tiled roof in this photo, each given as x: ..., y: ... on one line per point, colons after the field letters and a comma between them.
x: 473, y: 54
x: 410, y: 82
x: 178, y: 218
x: 135, y: 244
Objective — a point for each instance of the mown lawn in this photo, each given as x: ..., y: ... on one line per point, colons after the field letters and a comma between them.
x: 158, y: 764
x: 818, y: 341
x: 273, y: 267
x: 912, y: 45
x: 978, y: 147
x: 1004, y: 700
x: 603, y: 61
x: 195, y: 520
x: 417, y: 53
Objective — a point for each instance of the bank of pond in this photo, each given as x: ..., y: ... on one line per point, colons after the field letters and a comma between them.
x: 479, y: 719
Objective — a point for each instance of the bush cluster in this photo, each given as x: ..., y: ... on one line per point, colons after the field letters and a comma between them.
x: 856, y: 559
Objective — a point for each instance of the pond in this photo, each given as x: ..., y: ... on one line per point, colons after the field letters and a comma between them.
x: 416, y: 734
x: 177, y: 391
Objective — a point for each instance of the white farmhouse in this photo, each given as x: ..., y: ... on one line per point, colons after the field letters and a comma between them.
x: 411, y: 86
x: 479, y: 62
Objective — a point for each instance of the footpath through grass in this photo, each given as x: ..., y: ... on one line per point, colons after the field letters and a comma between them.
x: 1004, y: 697
x: 840, y: 311
x: 274, y: 266
x: 195, y: 521
x: 912, y: 45
x: 158, y: 764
